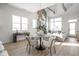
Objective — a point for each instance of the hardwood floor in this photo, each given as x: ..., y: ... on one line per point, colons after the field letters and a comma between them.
x: 68, y: 48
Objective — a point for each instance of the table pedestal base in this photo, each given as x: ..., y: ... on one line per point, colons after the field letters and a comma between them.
x: 40, y: 48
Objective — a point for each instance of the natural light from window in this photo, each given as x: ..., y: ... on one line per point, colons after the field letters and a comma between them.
x: 34, y: 23
x: 15, y: 23
x: 67, y: 44
x: 19, y: 23
x: 24, y: 23
x: 72, y: 25
x: 72, y: 20
x: 72, y: 28
x: 56, y: 24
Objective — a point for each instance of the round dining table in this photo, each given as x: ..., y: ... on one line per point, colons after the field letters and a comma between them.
x: 41, y: 38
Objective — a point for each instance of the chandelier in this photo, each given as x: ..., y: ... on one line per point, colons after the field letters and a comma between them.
x: 42, y: 17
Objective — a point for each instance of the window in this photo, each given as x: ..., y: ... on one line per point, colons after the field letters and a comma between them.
x: 52, y: 24
x: 34, y: 23
x: 72, y: 26
x: 19, y: 23
x: 58, y: 24
x: 16, y: 23
x: 24, y: 23
x: 55, y: 24
x: 72, y: 20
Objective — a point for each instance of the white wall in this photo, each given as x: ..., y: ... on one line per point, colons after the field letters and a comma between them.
x: 6, y: 13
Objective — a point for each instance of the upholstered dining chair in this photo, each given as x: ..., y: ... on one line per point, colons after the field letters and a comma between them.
x: 31, y: 42
x: 49, y: 43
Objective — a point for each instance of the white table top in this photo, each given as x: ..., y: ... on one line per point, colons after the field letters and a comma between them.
x: 48, y: 35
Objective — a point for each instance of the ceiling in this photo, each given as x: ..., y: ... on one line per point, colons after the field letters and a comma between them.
x: 62, y: 10
x: 52, y: 9
x: 31, y: 7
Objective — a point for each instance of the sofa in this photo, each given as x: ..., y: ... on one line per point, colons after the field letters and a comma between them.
x: 60, y: 36
x: 3, y: 52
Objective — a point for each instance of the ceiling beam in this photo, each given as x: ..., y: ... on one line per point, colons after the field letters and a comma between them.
x: 63, y: 6
x: 51, y: 10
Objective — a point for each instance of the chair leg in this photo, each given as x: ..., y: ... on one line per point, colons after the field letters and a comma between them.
x: 26, y: 47
x: 29, y: 49
x: 53, y: 42
x: 50, y: 51
x: 54, y: 49
x: 54, y: 46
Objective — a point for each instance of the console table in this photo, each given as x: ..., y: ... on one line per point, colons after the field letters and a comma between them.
x: 16, y: 34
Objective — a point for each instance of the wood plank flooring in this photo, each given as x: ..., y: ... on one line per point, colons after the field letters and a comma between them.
x: 68, y: 48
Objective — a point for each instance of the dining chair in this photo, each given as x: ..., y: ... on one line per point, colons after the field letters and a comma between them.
x: 31, y: 42
x: 49, y: 43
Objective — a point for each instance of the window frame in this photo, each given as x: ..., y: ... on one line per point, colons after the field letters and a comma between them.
x: 34, y: 23
x: 53, y: 23
x: 72, y: 21
x: 20, y: 24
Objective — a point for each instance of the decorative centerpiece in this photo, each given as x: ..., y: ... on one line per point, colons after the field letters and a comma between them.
x: 40, y: 33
